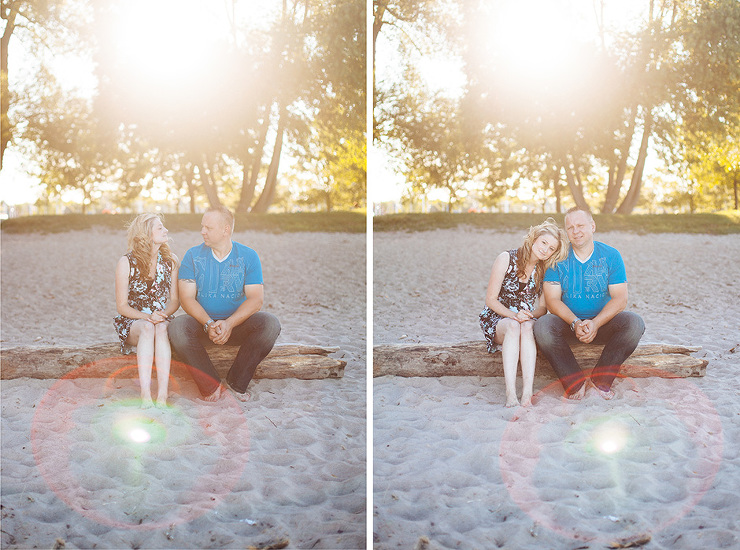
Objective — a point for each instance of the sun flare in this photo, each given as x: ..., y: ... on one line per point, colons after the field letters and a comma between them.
x: 164, y: 39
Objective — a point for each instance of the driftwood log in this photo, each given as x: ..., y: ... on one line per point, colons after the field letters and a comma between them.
x: 472, y: 359
x: 103, y: 360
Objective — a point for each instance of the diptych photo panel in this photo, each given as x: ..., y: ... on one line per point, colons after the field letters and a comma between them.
x: 352, y: 274
x: 547, y: 373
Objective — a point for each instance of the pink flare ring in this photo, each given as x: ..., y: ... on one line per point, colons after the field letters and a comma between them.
x: 520, y: 450
x: 52, y: 437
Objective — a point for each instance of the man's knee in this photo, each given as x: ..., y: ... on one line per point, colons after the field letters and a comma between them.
x: 182, y: 329
x: 270, y: 325
x: 633, y: 325
x: 546, y: 329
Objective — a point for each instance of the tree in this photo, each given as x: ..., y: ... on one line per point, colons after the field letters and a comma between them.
x: 430, y: 135
x: 335, y: 147
x: 61, y: 134
x: 50, y: 24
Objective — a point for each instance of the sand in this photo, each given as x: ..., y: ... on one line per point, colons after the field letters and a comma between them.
x: 657, y: 466
x: 285, y: 469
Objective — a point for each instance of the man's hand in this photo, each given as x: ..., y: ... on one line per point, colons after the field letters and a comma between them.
x: 220, y: 332
x: 586, y: 330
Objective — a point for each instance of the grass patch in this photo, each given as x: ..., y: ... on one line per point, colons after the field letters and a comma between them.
x: 719, y: 223
x: 332, y: 222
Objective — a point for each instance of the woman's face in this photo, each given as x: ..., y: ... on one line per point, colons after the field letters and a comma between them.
x: 159, y: 233
x: 545, y: 246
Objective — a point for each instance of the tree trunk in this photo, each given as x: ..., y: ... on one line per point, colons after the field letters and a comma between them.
x: 208, y: 185
x: 249, y: 185
x: 104, y: 360
x: 633, y: 194
x: 473, y: 359
x: 575, y: 191
x: 268, y: 193
x: 4, y: 86
x: 191, y: 188
x: 556, y: 190
x: 615, y: 186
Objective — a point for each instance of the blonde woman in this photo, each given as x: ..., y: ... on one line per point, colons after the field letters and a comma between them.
x: 146, y: 299
x: 514, y: 301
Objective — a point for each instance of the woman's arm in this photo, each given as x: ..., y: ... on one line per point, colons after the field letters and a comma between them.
x: 540, y: 307
x: 122, y: 271
x: 173, y: 304
x: 498, y: 271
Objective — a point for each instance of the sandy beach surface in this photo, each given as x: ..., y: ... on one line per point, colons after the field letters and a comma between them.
x: 657, y: 467
x: 83, y: 467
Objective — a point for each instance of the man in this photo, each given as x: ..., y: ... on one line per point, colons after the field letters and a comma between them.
x: 220, y: 285
x: 586, y: 295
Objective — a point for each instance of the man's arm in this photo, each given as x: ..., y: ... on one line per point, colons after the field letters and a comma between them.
x: 553, y: 293
x: 188, y: 300
x: 252, y: 304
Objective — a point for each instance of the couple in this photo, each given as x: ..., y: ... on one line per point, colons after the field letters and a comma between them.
x: 218, y: 284
x: 584, y: 286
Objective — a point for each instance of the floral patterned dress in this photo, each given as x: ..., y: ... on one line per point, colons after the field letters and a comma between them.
x: 515, y: 295
x: 144, y: 295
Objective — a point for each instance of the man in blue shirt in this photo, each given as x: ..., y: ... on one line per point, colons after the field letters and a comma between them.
x: 586, y: 295
x: 220, y: 285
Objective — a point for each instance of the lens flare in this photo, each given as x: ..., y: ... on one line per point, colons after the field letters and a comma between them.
x: 137, y: 428
x: 139, y: 435
x: 610, y: 437
x: 104, y: 426
x: 621, y: 448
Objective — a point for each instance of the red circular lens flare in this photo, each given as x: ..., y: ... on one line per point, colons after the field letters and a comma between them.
x: 521, y: 450
x: 55, y: 448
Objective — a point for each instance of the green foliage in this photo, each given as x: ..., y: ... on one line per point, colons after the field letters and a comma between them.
x: 335, y: 222
x: 216, y: 127
x: 590, y: 114
x: 721, y: 223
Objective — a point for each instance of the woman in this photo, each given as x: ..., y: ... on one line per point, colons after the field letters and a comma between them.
x: 146, y: 299
x: 512, y: 303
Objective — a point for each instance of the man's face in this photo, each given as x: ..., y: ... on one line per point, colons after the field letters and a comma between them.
x: 213, y: 229
x: 580, y: 228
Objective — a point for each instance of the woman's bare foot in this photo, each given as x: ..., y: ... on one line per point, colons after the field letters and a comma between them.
x: 146, y: 402
x: 511, y: 401
x: 161, y: 402
x: 526, y: 399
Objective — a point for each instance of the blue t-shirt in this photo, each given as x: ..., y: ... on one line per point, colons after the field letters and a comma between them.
x: 585, y: 285
x: 221, y: 283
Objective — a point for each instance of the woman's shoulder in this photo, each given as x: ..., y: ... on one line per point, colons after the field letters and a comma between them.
x: 503, y: 257
x: 503, y: 262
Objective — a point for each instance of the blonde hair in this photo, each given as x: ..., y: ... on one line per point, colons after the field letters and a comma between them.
x: 140, y: 242
x: 548, y: 227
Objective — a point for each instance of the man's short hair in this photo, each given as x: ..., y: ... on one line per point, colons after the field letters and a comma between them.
x: 580, y: 209
x: 225, y: 213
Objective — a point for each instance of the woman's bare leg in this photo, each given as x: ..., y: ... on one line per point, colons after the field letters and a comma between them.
x: 162, y: 358
x: 528, y: 357
x: 142, y: 336
x: 507, y: 334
